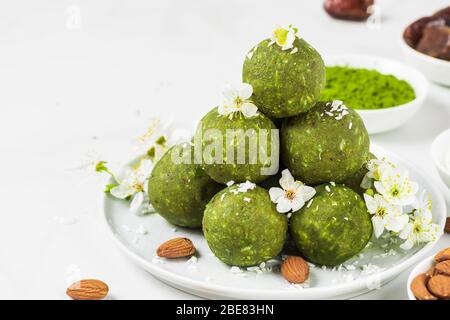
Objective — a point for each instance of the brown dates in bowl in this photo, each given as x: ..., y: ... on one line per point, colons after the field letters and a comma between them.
x: 355, y: 10
x: 431, y: 35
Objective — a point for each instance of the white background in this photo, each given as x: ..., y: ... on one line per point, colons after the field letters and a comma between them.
x: 66, y: 90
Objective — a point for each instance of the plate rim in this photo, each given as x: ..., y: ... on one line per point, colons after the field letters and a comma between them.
x: 357, y: 286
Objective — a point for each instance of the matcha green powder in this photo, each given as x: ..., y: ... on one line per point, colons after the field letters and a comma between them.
x: 365, y: 89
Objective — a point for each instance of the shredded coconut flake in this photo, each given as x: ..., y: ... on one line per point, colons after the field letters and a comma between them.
x: 157, y: 260
x: 243, y: 187
x: 141, y: 230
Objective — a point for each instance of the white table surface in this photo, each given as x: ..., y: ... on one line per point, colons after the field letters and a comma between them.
x: 66, y: 90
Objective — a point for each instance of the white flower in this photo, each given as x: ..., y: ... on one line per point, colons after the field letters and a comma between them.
x: 421, y: 229
x: 284, y: 36
x: 376, y: 169
x: 158, y: 138
x: 423, y: 204
x: 134, y: 185
x: 292, y: 195
x: 396, y: 187
x: 385, y: 215
x: 237, y: 100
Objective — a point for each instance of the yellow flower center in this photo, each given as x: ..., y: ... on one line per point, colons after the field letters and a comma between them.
x: 238, y: 102
x: 290, y: 194
x: 281, y: 36
x: 381, y: 212
x: 139, y: 187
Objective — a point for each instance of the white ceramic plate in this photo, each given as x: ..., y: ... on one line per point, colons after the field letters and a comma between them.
x: 210, y: 278
x: 382, y: 120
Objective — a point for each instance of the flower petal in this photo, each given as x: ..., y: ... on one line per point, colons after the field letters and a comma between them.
x: 405, y: 233
x: 286, y: 179
x: 307, y: 192
x: 121, y: 191
x: 245, y: 91
x: 137, y: 201
x: 407, y: 245
x: 275, y: 194
x: 371, y: 204
x: 249, y: 110
x: 283, y: 205
x: 366, y: 182
x: 230, y: 93
x: 378, y: 226
x: 297, y: 203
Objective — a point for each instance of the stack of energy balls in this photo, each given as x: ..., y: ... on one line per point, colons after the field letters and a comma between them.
x: 323, y: 147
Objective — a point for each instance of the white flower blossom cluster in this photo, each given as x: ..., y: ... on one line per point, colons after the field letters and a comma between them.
x: 132, y: 185
x: 391, y: 200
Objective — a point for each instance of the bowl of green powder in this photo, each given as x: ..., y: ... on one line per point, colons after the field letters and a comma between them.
x: 384, y: 92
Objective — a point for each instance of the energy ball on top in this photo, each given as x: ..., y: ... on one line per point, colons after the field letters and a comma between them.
x: 287, y: 74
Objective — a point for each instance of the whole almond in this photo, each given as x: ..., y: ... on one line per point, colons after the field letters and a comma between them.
x: 294, y: 269
x: 443, y: 267
x: 176, y: 248
x: 439, y: 286
x: 442, y: 255
x: 419, y: 288
x: 447, y: 225
x: 89, y: 289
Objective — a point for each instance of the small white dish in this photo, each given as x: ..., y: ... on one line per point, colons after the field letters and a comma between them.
x: 436, y: 70
x: 422, y: 267
x: 440, y: 152
x: 210, y: 278
x: 382, y: 120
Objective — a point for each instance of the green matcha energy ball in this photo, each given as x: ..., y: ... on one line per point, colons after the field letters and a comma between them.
x: 333, y: 228
x: 253, y: 142
x: 179, y: 192
x: 285, y: 82
x: 354, y: 181
x: 328, y: 143
x: 243, y: 227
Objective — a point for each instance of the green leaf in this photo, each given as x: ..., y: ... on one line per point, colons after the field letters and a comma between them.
x: 108, y: 187
x: 101, y: 166
x: 161, y: 141
x: 151, y: 153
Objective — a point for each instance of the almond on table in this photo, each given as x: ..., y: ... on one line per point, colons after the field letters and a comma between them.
x: 88, y: 289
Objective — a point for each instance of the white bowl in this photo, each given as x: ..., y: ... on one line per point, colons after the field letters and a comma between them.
x: 440, y: 149
x: 437, y: 70
x: 422, y: 267
x: 382, y: 120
